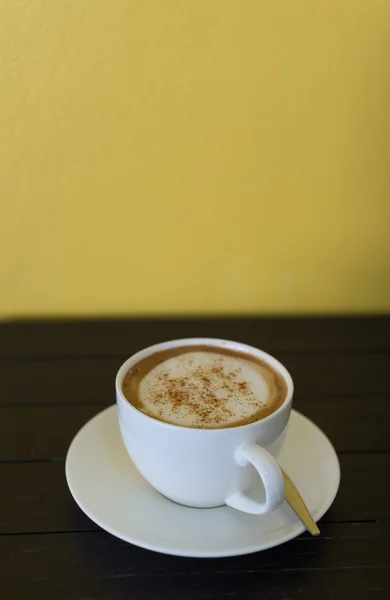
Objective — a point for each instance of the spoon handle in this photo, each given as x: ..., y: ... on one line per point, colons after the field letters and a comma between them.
x: 296, y: 502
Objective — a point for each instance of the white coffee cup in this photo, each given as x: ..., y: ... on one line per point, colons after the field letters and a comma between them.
x: 204, y: 468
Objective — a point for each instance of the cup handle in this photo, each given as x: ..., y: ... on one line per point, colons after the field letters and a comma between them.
x: 271, y: 476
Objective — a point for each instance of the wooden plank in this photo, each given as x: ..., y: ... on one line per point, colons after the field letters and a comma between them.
x: 340, y: 369
x: 64, y: 381
x: 364, y: 492
x: 35, y: 497
x: 352, y: 423
x: 40, y: 432
x: 346, y: 561
x: 338, y: 373
x: 87, y: 380
x: 45, y: 432
x: 126, y: 336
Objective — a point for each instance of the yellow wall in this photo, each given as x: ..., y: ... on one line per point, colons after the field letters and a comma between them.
x: 194, y: 156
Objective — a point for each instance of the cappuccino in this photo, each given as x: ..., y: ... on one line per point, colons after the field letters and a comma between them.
x: 205, y: 387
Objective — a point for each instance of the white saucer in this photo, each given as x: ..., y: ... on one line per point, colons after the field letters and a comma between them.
x: 109, y: 489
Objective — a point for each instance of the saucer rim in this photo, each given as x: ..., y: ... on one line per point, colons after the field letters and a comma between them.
x: 250, y: 549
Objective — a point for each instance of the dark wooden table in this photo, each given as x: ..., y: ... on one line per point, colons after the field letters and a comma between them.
x: 54, y: 376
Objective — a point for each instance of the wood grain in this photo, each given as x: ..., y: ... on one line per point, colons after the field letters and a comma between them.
x: 56, y: 375
x: 35, y: 497
x: 125, y: 336
x: 346, y: 561
x: 91, y: 380
x: 45, y: 432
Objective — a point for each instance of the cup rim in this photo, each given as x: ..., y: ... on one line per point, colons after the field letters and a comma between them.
x: 218, y: 343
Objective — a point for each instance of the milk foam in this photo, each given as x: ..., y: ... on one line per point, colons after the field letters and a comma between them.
x: 207, y: 389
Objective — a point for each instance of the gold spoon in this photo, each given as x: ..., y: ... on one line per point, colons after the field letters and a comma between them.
x: 296, y: 502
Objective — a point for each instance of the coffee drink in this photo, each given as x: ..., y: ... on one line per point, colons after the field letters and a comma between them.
x: 207, y: 387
